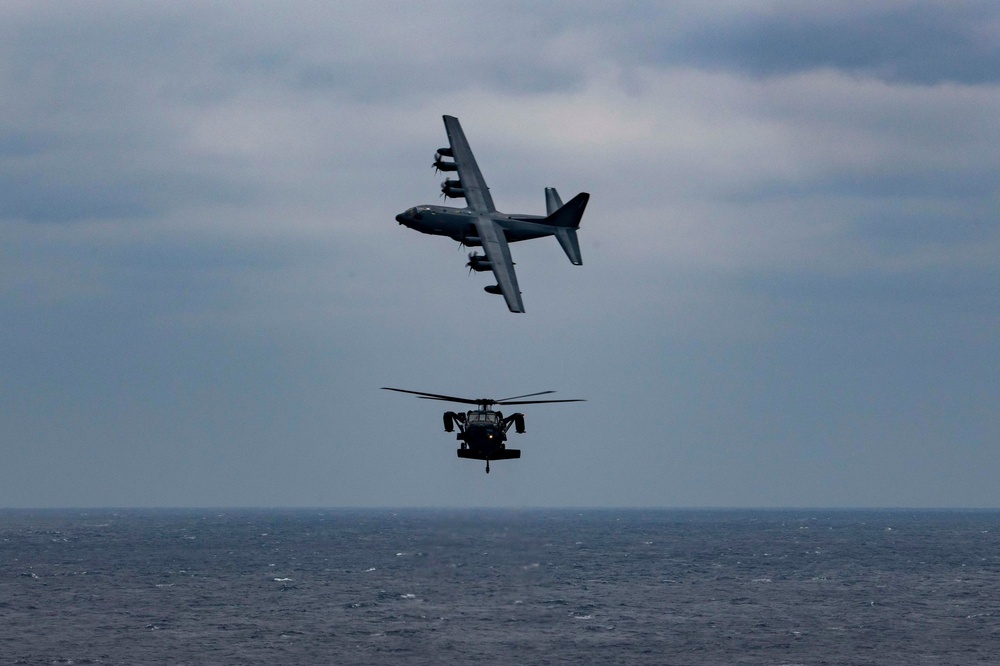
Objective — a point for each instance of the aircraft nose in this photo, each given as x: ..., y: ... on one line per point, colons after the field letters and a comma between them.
x: 401, y: 218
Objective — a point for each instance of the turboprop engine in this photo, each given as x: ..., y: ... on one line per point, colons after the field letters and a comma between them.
x: 439, y: 163
x: 478, y: 263
x: 452, y: 189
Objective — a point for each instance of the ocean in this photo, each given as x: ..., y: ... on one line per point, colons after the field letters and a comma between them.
x: 605, y: 586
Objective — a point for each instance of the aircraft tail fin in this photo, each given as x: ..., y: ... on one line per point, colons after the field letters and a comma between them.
x: 552, y: 200
x: 566, y: 220
x: 568, y: 215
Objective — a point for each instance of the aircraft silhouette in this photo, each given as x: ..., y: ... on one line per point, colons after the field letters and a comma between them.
x: 483, y: 431
x: 481, y: 224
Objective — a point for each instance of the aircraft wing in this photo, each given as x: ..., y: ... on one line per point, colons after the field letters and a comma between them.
x: 477, y: 195
x: 498, y: 254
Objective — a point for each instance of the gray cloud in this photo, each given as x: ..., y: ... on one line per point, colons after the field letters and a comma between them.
x: 105, y: 103
x: 921, y: 43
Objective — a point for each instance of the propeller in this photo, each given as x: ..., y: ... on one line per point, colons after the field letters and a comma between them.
x: 474, y: 259
x: 484, y: 402
x: 440, y: 165
x: 480, y: 262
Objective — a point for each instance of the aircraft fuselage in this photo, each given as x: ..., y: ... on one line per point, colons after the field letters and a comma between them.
x: 484, y: 436
x: 460, y: 223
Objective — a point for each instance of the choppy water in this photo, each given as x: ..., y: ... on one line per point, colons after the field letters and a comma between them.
x: 499, y: 587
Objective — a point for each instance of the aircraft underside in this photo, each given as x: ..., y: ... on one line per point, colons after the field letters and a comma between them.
x: 499, y: 454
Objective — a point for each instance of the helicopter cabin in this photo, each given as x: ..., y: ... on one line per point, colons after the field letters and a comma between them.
x: 481, y: 418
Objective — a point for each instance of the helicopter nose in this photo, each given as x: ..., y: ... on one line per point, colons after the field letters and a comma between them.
x: 401, y: 218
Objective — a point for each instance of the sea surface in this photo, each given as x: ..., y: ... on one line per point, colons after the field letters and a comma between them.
x: 499, y: 587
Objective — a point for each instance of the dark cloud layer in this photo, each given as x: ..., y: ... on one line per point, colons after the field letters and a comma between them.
x: 920, y: 43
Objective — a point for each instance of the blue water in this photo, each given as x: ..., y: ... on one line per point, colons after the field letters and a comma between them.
x: 500, y: 587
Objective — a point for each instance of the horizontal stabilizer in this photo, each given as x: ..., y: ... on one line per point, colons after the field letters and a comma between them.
x: 502, y: 454
x: 570, y: 245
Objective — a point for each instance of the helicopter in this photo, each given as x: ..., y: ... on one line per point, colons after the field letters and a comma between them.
x: 483, y: 431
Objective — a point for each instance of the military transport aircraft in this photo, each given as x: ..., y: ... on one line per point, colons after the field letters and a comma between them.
x: 483, y: 431
x: 481, y: 224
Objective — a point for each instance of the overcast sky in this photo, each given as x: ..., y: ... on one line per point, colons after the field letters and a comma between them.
x: 790, y: 291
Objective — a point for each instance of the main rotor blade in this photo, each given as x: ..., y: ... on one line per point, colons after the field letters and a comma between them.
x: 526, y: 395
x: 435, y: 396
x: 481, y: 401
x: 535, y: 402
